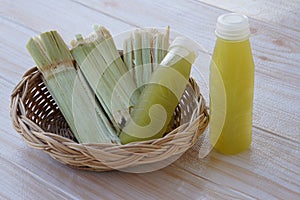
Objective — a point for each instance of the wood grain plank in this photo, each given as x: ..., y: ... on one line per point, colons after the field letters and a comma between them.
x: 66, y: 17
x: 27, y: 188
x: 282, y: 12
x: 15, y: 59
x: 99, y: 186
x: 270, y: 169
x: 36, y: 166
x: 218, y: 177
x: 135, y: 186
x: 276, y: 107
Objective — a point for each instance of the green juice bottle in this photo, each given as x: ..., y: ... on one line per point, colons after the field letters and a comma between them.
x: 231, y: 86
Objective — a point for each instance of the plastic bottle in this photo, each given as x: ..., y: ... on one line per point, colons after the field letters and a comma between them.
x: 231, y: 85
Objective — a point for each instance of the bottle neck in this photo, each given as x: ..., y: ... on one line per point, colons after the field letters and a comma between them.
x: 233, y: 41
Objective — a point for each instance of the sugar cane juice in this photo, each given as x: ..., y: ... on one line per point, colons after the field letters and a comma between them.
x: 231, y: 86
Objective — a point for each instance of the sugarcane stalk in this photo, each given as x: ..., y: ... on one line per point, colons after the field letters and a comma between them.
x: 70, y: 91
x: 103, y: 67
x: 159, y: 98
x: 146, y: 56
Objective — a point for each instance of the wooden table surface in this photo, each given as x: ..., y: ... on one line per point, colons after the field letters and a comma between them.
x: 269, y: 170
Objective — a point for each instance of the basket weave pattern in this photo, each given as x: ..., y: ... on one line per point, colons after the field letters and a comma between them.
x: 39, y: 121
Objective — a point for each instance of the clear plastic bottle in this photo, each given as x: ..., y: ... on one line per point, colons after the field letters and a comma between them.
x: 231, y: 85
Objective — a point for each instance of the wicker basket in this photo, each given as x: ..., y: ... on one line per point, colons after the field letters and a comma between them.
x: 39, y: 121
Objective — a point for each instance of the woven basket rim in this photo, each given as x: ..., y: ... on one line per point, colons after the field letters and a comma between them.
x: 73, y: 154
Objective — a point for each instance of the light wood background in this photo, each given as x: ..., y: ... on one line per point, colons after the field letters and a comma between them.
x: 269, y: 170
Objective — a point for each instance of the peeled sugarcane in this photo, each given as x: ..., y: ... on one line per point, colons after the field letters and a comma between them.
x: 158, y: 100
x: 102, y: 66
x: 160, y: 47
x: 70, y: 90
x: 138, y: 56
x: 147, y: 64
x: 143, y: 50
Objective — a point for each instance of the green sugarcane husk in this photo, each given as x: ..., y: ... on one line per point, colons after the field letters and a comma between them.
x: 70, y: 91
x: 107, y: 74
